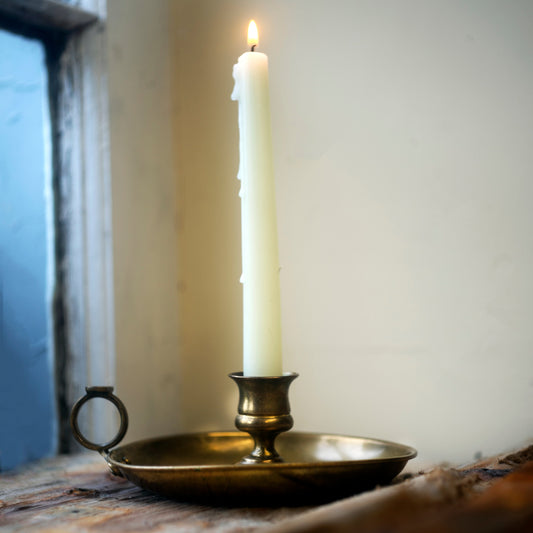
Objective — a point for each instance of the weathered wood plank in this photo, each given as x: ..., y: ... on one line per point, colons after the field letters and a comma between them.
x: 78, y: 494
x: 493, y: 496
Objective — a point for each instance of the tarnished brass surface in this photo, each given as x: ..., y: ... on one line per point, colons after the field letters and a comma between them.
x: 264, y: 413
x: 202, y: 467
x: 208, y: 467
x: 107, y: 394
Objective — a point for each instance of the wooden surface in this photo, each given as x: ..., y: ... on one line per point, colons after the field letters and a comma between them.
x: 77, y: 493
x: 491, y: 496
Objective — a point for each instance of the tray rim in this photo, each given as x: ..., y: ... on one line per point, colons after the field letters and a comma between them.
x: 409, y: 453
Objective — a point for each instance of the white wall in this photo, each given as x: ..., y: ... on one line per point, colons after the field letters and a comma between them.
x: 144, y: 216
x: 402, y: 139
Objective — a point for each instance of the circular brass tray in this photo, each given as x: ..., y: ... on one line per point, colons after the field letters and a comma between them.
x: 203, y: 467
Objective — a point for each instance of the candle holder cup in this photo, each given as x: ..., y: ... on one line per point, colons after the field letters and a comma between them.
x: 264, y: 413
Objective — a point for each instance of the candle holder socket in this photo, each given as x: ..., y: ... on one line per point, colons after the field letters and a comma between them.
x: 264, y: 413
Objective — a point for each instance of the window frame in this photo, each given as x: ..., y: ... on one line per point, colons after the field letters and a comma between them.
x: 83, y: 308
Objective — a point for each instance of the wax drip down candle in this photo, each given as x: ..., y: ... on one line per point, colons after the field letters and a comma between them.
x: 260, y: 263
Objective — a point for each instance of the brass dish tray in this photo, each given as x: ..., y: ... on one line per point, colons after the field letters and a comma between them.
x: 208, y: 467
x: 203, y: 467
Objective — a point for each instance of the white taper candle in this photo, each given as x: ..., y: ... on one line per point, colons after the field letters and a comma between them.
x: 260, y: 263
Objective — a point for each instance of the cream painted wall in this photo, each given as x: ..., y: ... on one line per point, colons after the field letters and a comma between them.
x: 145, y: 216
x: 402, y: 140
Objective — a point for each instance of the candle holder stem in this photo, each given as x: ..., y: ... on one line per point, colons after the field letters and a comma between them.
x: 264, y: 413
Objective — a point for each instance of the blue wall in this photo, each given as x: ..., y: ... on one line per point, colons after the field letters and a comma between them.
x: 27, y: 408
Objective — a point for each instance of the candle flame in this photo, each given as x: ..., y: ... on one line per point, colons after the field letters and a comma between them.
x: 253, y: 37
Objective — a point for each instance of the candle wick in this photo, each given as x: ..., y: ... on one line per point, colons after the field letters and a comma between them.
x: 253, y: 47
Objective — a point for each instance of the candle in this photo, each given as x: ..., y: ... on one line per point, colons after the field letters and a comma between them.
x: 260, y: 264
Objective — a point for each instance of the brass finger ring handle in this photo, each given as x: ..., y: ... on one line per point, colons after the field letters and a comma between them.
x: 107, y: 394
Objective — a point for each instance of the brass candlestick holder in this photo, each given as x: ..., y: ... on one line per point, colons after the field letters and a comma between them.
x: 268, y: 466
x: 264, y: 413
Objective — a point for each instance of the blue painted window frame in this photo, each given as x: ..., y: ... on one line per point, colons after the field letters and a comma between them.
x: 54, y: 23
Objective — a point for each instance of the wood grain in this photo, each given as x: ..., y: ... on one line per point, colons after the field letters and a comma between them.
x: 493, y: 496
x: 78, y: 493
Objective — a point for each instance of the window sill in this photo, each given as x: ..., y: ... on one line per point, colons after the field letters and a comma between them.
x: 78, y: 493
